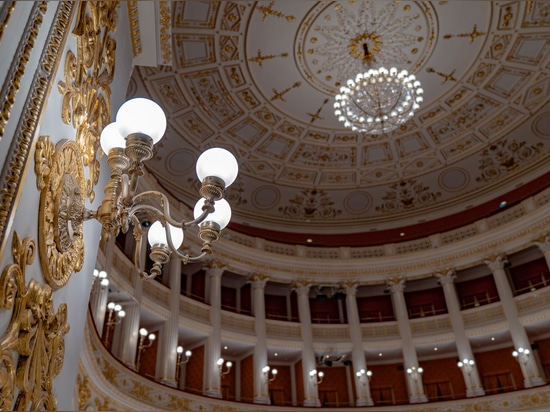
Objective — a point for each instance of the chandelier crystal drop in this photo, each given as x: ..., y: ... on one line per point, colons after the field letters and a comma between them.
x: 378, y: 100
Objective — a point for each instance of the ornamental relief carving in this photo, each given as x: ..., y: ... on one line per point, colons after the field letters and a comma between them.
x: 88, y: 74
x: 62, y: 184
x: 32, y: 349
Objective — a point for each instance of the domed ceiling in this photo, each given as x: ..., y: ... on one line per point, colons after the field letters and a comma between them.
x: 259, y: 78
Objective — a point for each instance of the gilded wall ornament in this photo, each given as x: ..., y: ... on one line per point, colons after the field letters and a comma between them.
x: 32, y: 349
x: 60, y: 178
x: 405, y: 195
x: 88, y: 74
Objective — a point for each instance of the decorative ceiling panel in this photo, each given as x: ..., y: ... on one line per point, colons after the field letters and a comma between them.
x: 259, y: 78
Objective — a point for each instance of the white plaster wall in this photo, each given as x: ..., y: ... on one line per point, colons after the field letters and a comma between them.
x: 25, y: 219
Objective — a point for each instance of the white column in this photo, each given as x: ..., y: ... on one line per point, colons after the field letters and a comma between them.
x: 470, y: 373
x: 414, y: 381
x: 213, y: 345
x: 529, y: 367
x: 98, y: 303
x: 543, y: 244
x: 261, y: 385
x: 357, y: 352
x: 127, y: 334
x: 168, y: 341
x: 100, y: 294
x: 311, y: 393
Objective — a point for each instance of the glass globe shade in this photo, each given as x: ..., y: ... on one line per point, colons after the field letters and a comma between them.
x: 143, y: 332
x: 141, y: 115
x: 111, y: 138
x: 217, y: 162
x: 121, y: 313
x: 111, y: 305
x: 179, y: 349
x: 221, y: 214
x: 188, y: 353
x: 157, y: 235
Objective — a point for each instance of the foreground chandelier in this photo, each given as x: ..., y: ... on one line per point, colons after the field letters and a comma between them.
x: 378, y: 100
x: 140, y: 123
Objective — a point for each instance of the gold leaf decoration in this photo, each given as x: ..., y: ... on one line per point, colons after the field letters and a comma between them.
x: 88, y: 75
x: 60, y: 178
x: 32, y: 349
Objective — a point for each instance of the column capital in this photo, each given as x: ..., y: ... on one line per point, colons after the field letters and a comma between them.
x: 445, y: 276
x: 396, y: 284
x: 214, y: 268
x: 302, y: 287
x: 258, y: 280
x: 350, y: 287
x: 543, y: 242
x: 496, y: 261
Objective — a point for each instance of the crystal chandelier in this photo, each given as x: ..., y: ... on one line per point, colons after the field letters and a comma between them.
x: 378, y: 100
x: 128, y: 142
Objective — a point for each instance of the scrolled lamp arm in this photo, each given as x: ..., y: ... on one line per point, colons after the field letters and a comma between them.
x: 140, y: 123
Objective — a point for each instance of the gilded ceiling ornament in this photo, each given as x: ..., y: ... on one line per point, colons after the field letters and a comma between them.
x: 33, y: 348
x: 88, y: 74
x: 405, y: 195
x: 62, y: 183
x: 311, y: 204
x: 505, y: 156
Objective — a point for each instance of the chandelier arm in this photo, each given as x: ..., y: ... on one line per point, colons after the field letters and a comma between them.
x: 206, y: 210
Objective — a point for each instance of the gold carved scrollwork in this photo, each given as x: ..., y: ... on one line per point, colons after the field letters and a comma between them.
x: 32, y: 349
x: 88, y: 74
x: 60, y: 178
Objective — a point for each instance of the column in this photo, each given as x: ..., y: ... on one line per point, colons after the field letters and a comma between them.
x: 127, y: 334
x: 261, y: 384
x: 357, y: 352
x: 98, y: 304
x: 414, y: 379
x: 168, y: 341
x: 529, y: 367
x: 100, y: 293
x: 213, y: 344
x: 311, y: 394
x: 543, y: 243
x: 470, y: 373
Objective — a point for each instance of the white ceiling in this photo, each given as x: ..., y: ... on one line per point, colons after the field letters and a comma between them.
x: 259, y: 79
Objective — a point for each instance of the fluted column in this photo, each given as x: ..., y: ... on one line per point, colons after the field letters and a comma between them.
x: 98, y: 304
x: 446, y: 279
x: 357, y: 352
x: 414, y: 382
x: 128, y: 332
x: 543, y: 244
x: 311, y: 393
x: 100, y: 294
x: 168, y: 342
x: 213, y: 345
x: 529, y: 367
x: 261, y: 385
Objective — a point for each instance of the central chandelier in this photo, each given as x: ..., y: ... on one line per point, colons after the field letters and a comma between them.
x: 128, y: 142
x: 378, y: 100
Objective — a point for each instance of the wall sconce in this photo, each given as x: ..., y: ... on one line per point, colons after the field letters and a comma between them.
x: 521, y: 355
x: 415, y: 372
x: 128, y: 142
x: 363, y: 376
x: 467, y: 365
x: 116, y: 314
x: 146, y: 339
x: 265, y: 371
x: 316, y: 377
x: 220, y: 364
x: 179, y: 361
x: 101, y: 277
